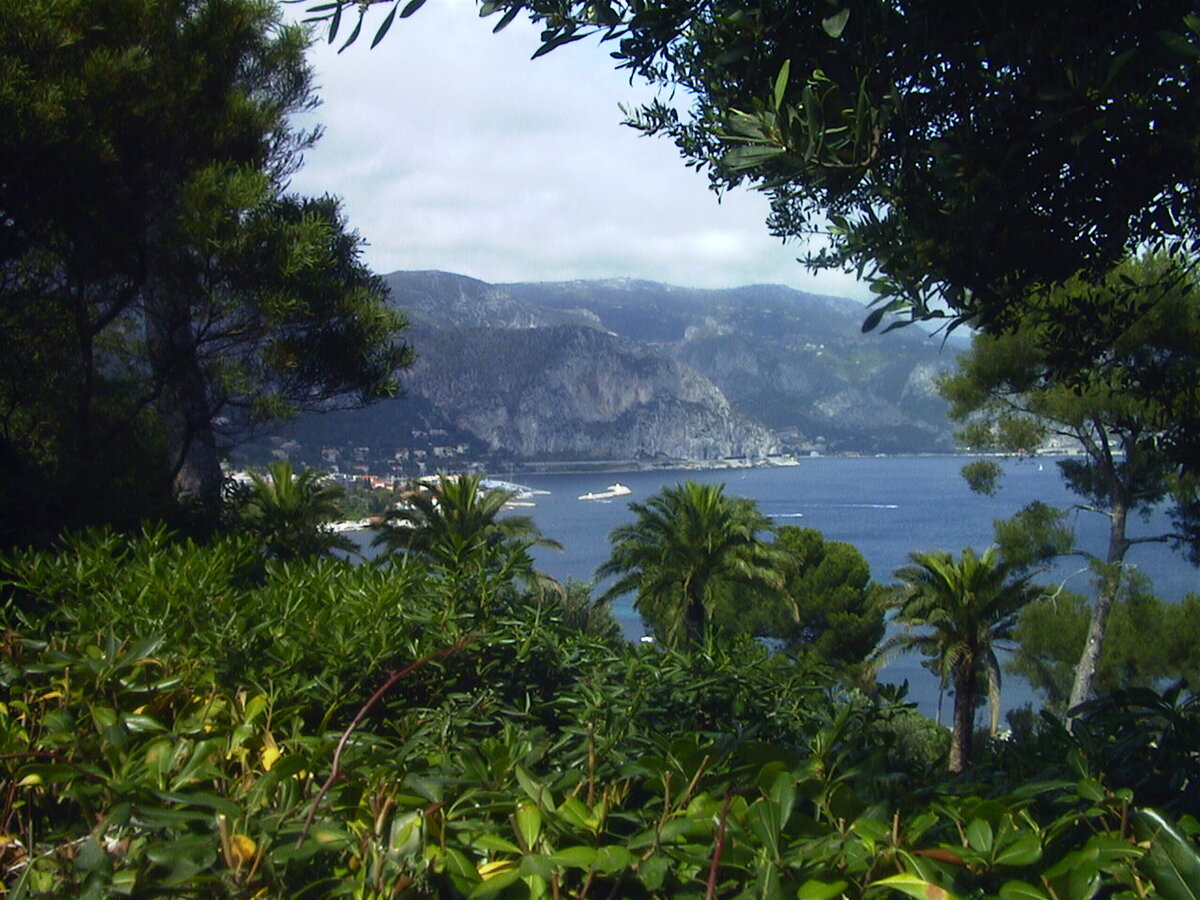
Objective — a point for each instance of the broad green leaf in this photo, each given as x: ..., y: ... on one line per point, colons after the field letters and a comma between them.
x: 763, y: 819
x: 1172, y: 863
x: 834, y: 25
x: 653, y: 871
x: 494, y: 884
x: 199, y: 760
x: 529, y: 823
x: 489, y: 841
x: 404, y: 837
x: 612, y: 859
x: 578, y: 857
x: 980, y: 836
x: 574, y: 811
x: 536, y: 864
x: 140, y: 724
x: 814, y: 889
x: 1025, y: 850
x: 917, y: 888
x: 1020, y: 890
x: 537, y: 792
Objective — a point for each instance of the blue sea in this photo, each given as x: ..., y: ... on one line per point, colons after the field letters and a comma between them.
x: 886, y: 507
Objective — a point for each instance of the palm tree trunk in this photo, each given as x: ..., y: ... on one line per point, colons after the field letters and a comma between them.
x: 962, y: 733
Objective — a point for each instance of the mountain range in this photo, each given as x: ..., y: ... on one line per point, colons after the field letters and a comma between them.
x: 626, y: 370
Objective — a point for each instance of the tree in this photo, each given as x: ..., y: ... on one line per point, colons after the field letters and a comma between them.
x: 289, y: 512
x: 1149, y: 642
x: 456, y: 525
x: 959, y: 614
x: 162, y: 266
x: 960, y: 154
x: 828, y: 610
x: 1012, y: 397
x: 688, y: 553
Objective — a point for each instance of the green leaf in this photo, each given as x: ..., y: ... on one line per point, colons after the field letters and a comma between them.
x: 529, y: 823
x: 1172, y: 863
x: 138, y: 723
x: 652, y: 872
x: 384, y: 26
x: 495, y: 884
x: 917, y: 888
x: 834, y: 25
x: 781, y: 83
x: 814, y: 889
x: 506, y: 19
x: 538, y: 865
x: 537, y: 792
x: 574, y: 811
x: 1020, y: 890
x: 980, y: 836
x: 1023, y: 851
x: 411, y: 7
x: 764, y: 820
x: 873, y: 319
x: 489, y: 841
x: 578, y: 857
x: 610, y: 860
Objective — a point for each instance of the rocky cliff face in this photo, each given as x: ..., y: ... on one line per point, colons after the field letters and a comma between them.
x: 574, y: 392
x: 798, y: 364
x: 624, y: 369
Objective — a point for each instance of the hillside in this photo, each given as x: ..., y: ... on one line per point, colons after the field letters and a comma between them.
x: 635, y: 370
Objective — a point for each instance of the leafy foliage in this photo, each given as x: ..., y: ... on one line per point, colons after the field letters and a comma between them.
x: 1150, y: 643
x: 959, y: 614
x: 162, y: 285
x: 512, y: 756
x: 828, y: 609
x: 1012, y: 395
x: 461, y: 528
x: 690, y: 551
x: 289, y: 512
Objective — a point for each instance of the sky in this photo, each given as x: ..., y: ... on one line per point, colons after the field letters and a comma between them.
x: 452, y: 150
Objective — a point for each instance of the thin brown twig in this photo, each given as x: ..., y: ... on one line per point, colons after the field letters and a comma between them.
x: 391, y: 681
x: 711, y: 892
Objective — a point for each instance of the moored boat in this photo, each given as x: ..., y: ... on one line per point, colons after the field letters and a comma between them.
x: 613, y: 490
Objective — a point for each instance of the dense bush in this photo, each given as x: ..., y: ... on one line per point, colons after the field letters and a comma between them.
x: 194, y: 722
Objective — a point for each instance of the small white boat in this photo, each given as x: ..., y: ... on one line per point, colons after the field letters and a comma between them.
x: 613, y: 490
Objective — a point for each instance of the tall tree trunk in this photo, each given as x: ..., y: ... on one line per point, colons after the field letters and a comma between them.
x: 962, y: 733
x: 1110, y: 585
x: 186, y: 413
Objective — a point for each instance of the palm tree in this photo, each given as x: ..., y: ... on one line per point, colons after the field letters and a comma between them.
x: 456, y: 525
x: 688, y: 549
x: 960, y: 614
x: 289, y: 511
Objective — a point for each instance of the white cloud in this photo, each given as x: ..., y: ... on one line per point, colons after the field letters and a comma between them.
x: 452, y: 150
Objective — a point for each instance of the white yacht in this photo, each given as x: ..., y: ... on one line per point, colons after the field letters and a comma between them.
x: 613, y: 490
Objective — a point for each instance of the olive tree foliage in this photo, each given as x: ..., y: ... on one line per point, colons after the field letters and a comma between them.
x: 1012, y: 398
x: 963, y: 156
x: 158, y: 283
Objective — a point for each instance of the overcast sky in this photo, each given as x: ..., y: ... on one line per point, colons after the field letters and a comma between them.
x: 452, y: 150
